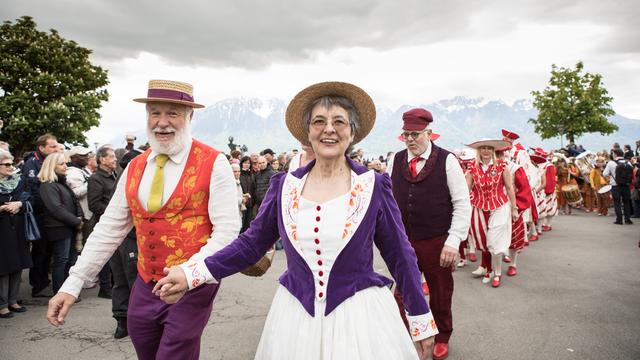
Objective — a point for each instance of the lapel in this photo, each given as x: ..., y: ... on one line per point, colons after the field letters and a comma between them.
x: 360, y: 193
x: 426, y: 170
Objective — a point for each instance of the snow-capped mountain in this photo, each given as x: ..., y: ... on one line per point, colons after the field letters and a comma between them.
x: 259, y: 124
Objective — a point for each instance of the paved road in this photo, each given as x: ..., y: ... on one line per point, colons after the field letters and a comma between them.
x: 577, y: 296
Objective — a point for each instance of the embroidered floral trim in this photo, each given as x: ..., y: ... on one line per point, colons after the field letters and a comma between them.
x: 422, y: 326
x: 196, y: 273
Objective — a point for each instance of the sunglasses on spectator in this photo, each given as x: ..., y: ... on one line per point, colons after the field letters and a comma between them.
x: 7, y: 164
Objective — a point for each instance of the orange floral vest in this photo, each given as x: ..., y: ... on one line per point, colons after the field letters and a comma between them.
x: 181, y: 227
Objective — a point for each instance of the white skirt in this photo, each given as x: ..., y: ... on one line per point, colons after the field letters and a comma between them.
x: 365, y: 326
x: 499, y: 230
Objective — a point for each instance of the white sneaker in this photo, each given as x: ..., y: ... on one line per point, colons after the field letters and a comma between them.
x: 486, y: 279
x: 462, y: 263
x: 480, y: 271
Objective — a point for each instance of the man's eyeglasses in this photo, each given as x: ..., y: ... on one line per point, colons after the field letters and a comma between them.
x: 414, y: 134
x: 7, y: 164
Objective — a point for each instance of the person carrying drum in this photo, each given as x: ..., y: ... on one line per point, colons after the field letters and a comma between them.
x: 567, y: 186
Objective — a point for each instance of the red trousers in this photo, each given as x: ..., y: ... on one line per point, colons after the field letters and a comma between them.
x: 440, y: 281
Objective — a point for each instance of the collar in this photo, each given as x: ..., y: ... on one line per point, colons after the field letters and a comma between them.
x: 425, y: 155
x: 104, y: 173
x: 355, y: 167
x: 176, y: 158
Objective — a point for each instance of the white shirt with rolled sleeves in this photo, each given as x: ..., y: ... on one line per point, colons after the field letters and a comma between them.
x: 459, y: 192
x: 116, y: 222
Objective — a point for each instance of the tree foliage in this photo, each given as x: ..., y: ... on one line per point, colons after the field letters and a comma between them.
x: 572, y: 104
x: 47, y: 85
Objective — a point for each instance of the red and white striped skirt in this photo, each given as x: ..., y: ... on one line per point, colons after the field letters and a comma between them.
x: 491, y: 230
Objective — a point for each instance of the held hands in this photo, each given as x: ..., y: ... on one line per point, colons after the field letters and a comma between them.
x: 172, y: 287
x: 514, y: 214
x: 59, y: 307
x: 423, y: 347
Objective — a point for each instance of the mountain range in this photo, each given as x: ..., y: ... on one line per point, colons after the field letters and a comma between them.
x: 259, y: 124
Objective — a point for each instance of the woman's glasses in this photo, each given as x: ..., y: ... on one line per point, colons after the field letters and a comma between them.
x: 7, y: 164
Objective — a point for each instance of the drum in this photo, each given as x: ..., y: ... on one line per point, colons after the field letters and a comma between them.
x: 572, y: 194
x: 605, y: 189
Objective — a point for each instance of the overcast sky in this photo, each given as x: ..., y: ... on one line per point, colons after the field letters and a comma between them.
x: 401, y: 52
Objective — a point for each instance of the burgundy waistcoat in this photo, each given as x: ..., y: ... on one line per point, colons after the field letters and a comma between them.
x: 424, y: 201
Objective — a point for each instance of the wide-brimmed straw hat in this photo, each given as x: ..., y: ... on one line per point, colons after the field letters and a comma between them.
x: 361, y: 100
x: 495, y: 144
x: 169, y: 91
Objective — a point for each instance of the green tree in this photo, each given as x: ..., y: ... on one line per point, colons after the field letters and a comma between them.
x: 47, y: 85
x: 572, y: 104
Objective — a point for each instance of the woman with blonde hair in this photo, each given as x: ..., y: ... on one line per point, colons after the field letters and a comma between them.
x: 493, y: 207
x: 62, y: 216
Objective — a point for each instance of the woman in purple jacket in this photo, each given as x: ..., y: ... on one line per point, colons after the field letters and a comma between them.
x: 330, y: 303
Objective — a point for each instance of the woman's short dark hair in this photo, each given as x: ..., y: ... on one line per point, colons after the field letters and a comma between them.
x: 245, y: 158
x: 329, y: 101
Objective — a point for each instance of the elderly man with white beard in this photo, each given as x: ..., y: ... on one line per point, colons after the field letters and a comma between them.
x: 175, y: 193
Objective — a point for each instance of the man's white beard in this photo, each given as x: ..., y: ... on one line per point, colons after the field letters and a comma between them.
x: 181, y: 139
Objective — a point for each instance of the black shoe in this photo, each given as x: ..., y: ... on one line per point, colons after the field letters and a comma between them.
x: 628, y: 222
x: 21, y: 309
x: 7, y: 315
x: 44, y: 293
x: 121, y: 329
x: 104, y: 293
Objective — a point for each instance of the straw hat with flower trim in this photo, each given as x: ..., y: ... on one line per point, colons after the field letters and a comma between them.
x: 495, y: 144
x: 361, y: 100
x: 168, y: 91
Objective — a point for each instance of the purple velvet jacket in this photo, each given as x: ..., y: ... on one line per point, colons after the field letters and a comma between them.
x: 353, y: 268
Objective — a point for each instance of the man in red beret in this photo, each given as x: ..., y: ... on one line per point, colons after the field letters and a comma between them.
x: 433, y: 197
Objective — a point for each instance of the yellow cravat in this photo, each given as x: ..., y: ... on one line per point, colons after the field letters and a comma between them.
x: 157, y: 186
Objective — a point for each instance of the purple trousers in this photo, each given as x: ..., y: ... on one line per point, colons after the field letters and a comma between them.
x: 162, y: 331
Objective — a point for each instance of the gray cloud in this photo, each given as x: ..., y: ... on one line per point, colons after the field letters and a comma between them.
x: 256, y: 33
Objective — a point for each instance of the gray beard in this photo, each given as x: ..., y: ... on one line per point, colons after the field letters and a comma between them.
x: 181, y: 140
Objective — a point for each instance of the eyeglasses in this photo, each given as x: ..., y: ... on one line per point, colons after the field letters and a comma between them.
x: 414, y: 134
x: 321, y: 123
x: 7, y: 164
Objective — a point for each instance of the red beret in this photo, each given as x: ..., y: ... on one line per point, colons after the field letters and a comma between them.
x: 510, y: 135
x: 416, y: 119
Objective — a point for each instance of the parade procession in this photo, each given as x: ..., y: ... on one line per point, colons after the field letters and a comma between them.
x: 187, y: 202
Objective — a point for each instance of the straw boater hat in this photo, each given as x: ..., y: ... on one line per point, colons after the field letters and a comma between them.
x: 495, y: 144
x: 361, y: 100
x: 168, y: 91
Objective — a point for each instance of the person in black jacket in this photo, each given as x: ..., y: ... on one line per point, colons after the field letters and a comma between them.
x: 14, y: 256
x: 261, y: 183
x: 39, y: 273
x: 246, y: 182
x: 123, y: 267
x: 62, y: 216
x: 102, y: 183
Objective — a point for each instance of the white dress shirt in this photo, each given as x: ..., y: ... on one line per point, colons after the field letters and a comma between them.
x: 116, y: 222
x: 459, y: 192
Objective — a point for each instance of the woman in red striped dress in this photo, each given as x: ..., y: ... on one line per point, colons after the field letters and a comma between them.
x: 494, y: 208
